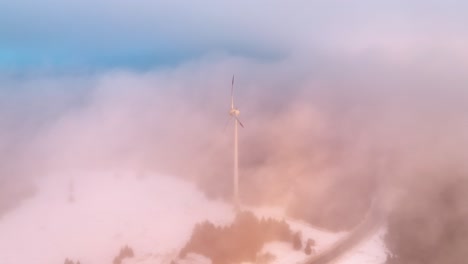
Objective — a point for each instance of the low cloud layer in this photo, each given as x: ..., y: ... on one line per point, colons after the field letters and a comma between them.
x: 325, y: 134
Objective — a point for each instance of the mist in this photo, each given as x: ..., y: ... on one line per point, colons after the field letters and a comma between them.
x: 368, y: 124
x: 346, y: 106
x: 321, y: 142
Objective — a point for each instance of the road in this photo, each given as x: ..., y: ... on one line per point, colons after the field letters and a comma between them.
x: 371, y: 224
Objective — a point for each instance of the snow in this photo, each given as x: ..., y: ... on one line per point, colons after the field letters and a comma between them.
x: 153, y: 214
x: 371, y: 251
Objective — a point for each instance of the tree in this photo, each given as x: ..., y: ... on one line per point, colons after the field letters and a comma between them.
x: 308, y: 248
x: 239, y: 242
x: 125, y: 252
x: 297, y: 240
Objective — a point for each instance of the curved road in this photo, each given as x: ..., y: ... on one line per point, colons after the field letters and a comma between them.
x: 371, y: 223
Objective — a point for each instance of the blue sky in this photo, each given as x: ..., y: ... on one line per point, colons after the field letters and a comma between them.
x: 144, y: 33
x: 136, y: 34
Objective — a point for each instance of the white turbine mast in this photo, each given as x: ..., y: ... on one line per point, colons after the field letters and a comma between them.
x: 234, y: 113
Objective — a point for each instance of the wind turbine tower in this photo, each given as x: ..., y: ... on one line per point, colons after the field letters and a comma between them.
x: 234, y: 113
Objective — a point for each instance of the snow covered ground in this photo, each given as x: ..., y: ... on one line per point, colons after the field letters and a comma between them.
x: 371, y: 251
x: 154, y: 215
x: 150, y: 214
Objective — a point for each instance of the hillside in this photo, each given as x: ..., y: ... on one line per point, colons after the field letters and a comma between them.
x: 90, y: 216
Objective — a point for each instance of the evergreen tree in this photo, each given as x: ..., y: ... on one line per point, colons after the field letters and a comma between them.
x: 296, y: 240
x: 308, y: 248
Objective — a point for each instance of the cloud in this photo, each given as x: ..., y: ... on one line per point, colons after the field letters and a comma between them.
x: 338, y: 98
x: 334, y: 132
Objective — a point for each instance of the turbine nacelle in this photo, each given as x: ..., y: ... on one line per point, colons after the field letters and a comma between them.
x: 234, y: 112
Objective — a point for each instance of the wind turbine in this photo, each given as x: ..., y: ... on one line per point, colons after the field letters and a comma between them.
x: 234, y: 113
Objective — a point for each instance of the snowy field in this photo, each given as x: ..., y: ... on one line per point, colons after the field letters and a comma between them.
x: 150, y: 214
x: 153, y: 215
x: 371, y: 251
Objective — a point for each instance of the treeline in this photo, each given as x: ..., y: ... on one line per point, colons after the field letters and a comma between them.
x: 241, y: 241
x: 125, y: 252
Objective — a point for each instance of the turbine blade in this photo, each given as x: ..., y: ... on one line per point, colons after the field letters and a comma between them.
x: 240, y: 123
x: 232, y: 92
x: 227, y: 123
